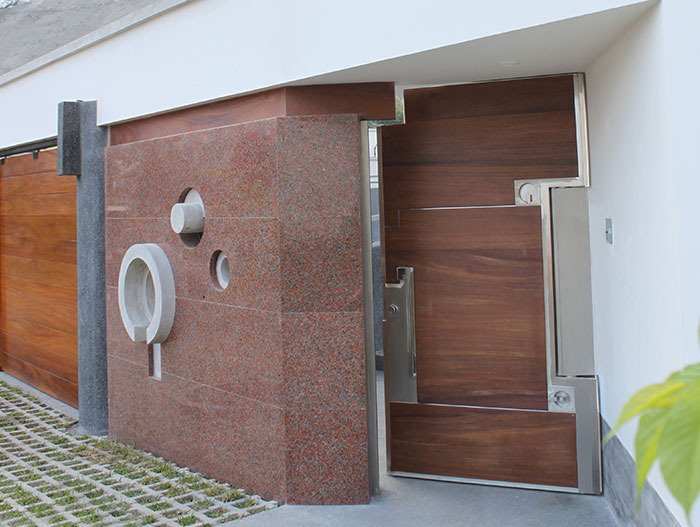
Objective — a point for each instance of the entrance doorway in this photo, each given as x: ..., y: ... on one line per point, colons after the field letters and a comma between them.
x: 488, y: 353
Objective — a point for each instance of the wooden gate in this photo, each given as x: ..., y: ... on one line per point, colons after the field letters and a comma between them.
x: 38, y: 283
x: 475, y: 391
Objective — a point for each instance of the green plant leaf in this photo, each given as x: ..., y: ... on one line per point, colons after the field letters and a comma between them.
x: 689, y: 374
x: 644, y: 399
x: 679, y: 449
x: 646, y: 443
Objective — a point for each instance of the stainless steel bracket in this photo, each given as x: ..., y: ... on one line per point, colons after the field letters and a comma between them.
x: 583, y: 394
x: 400, y: 338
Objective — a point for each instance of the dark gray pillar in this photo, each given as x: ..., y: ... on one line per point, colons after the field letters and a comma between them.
x: 81, y: 145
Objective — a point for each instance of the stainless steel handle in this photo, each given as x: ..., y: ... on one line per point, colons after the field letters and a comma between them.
x: 400, y: 337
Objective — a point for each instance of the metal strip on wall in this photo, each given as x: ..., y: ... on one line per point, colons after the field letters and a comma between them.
x: 26, y: 148
x: 368, y: 308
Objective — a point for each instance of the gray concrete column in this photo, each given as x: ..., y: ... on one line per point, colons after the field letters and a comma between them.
x: 81, y: 145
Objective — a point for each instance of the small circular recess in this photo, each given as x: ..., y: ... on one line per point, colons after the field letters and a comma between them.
x: 220, y: 270
x: 187, y: 217
x: 146, y: 293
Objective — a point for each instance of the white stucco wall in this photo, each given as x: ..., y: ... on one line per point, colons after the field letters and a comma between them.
x: 643, y: 140
x: 209, y: 49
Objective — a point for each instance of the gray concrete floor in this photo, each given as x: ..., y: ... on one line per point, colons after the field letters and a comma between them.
x: 412, y: 502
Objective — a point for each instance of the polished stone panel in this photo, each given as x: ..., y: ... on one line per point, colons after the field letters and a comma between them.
x: 319, y: 161
x: 321, y: 263
x: 326, y: 421
x: 263, y: 383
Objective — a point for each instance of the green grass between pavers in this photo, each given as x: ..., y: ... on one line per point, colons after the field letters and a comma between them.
x: 60, y: 478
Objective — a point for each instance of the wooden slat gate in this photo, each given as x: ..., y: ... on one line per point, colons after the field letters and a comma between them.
x: 38, y: 283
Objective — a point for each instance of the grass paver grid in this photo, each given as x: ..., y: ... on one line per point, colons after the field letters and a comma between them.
x: 49, y: 477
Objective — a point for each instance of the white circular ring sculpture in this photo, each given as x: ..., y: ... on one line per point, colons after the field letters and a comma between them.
x: 146, y: 293
x: 188, y: 217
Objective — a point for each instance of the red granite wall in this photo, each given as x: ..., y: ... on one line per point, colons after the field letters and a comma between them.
x: 263, y: 383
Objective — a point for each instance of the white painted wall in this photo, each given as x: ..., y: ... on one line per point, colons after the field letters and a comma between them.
x: 209, y: 49
x: 644, y: 139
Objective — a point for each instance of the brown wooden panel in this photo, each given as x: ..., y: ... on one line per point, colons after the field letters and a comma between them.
x: 473, y: 161
x: 479, y: 304
x: 545, y: 94
x: 39, y: 205
x: 465, y: 145
x: 39, y: 248
x: 507, y: 141
x: 38, y: 295
x: 369, y: 100
x: 484, y: 443
x: 39, y: 313
x: 26, y: 164
x: 41, y: 292
x: 59, y: 365
x: 56, y: 342
x: 57, y: 273
x: 417, y: 186
x: 222, y: 113
x: 53, y: 227
x: 42, y: 183
x: 41, y: 379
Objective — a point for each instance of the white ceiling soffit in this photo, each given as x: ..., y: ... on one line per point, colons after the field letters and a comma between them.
x: 570, y: 45
x: 187, y: 52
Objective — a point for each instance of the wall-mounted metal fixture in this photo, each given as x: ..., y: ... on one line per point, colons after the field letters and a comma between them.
x: 527, y: 193
x: 400, y: 338
x: 608, y: 230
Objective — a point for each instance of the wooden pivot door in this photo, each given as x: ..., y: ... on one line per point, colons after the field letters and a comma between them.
x: 483, y: 190
x: 38, y: 276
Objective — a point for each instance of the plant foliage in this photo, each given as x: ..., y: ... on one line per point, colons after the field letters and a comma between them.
x: 669, y: 430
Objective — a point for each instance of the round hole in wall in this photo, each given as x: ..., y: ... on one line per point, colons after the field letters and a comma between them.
x: 220, y: 270
x: 187, y: 217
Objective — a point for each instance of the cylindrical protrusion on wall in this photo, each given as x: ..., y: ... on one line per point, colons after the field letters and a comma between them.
x: 187, y: 218
x: 223, y: 270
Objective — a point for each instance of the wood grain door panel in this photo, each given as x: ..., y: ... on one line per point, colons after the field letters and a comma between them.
x: 479, y: 304
x: 38, y: 295
x: 531, y: 447
x: 465, y: 145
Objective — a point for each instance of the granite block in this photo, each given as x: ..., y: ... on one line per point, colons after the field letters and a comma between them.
x: 263, y: 383
x: 327, y: 456
x: 252, y: 248
x: 234, y: 350
x: 321, y: 264
x: 251, y: 245
x: 232, y: 167
x: 130, y: 417
x: 319, y: 165
x: 327, y: 347
x: 119, y: 344
x: 248, y: 445
x: 241, y: 442
x: 326, y: 434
